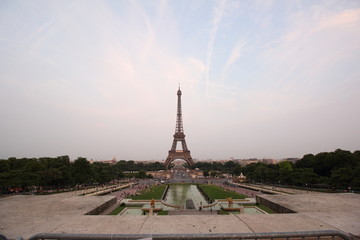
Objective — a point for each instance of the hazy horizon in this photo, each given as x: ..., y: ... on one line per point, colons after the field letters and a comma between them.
x: 72, y: 158
x: 259, y: 79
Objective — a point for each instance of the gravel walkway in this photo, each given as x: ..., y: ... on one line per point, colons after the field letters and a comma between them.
x: 243, y: 191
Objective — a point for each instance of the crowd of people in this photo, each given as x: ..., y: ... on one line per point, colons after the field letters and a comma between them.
x: 243, y: 191
x: 130, y: 191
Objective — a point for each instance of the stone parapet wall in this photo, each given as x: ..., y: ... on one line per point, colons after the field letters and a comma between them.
x: 98, y: 210
x: 273, y: 206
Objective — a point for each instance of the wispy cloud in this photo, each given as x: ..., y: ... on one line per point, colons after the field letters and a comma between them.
x: 313, y: 46
x: 216, y: 21
x: 235, y: 54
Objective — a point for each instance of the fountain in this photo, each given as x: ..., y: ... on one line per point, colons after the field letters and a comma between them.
x: 187, y: 196
x: 230, y: 202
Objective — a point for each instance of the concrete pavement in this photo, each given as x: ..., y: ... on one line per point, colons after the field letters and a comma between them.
x: 26, y: 215
x: 341, y: 210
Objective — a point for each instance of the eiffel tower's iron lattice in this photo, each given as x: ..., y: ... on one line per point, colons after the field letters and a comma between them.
x: 179, y: 136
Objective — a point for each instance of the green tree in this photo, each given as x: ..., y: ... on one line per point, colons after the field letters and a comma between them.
x: 141, y: 174
x: 285, y: 170
x: 4, y: 166
x: 342, y: 177
x: 260, y: 172
x: 355, y: 183
x: 308, y: 161
x: 302, y: 177
x: 103, y: 172
x: 82, y: 171
x: 229, y: 166
x: 323, y: 164
x: 249, y: 170
x: 213, y: 173
x: 120, y: 174
x: 52, y: 177
x: 238, y: 170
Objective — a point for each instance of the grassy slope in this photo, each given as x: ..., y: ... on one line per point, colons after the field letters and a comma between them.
x: 265, y: 208
x: 216, y: 192
x: 163, y: 213
x: 154, y: 192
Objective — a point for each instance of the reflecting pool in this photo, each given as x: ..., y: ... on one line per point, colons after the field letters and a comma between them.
x: 179, y: 193
x: 132, y: 211
x: 249, y: 210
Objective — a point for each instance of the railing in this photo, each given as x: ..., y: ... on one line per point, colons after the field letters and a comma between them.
x: 310, y: 235
x: 170, y: 205
x: 211, y: 205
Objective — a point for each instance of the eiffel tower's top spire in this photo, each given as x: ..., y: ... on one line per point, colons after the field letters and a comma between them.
x: 179, y: 123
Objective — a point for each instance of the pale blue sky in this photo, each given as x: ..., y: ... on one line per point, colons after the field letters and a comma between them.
x: 99, y: 78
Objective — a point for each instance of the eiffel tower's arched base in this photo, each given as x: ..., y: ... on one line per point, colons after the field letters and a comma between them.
x: 178, y: 155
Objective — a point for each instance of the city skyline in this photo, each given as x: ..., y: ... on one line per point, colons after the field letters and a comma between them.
x: 259, y: 79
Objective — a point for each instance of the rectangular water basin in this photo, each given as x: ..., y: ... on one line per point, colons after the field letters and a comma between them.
x: 249, y: 210
x: 132, y: 211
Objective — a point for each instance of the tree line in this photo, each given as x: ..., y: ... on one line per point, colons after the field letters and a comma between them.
x: 338, y: 169
x: 60, y: 172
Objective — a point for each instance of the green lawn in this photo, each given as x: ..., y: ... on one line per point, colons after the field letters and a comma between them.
x: 216, y: 192
x: 222, y: 212
x: 154, y: 192
x: 117, y: 210
x: 163, y: 213
x: 264, y: 208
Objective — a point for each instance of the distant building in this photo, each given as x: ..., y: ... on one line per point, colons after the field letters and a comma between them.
x: 269, y: 161
x: 240, y: 178
x: 291, y: 159
x: 248, y: 161
x: 112, y: 161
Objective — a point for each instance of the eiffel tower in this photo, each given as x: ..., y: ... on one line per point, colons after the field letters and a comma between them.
x: 179, y: 136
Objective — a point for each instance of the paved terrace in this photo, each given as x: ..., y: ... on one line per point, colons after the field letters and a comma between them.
x: 64, y: 213
x: 273, y: 189
x: 341, y: 210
